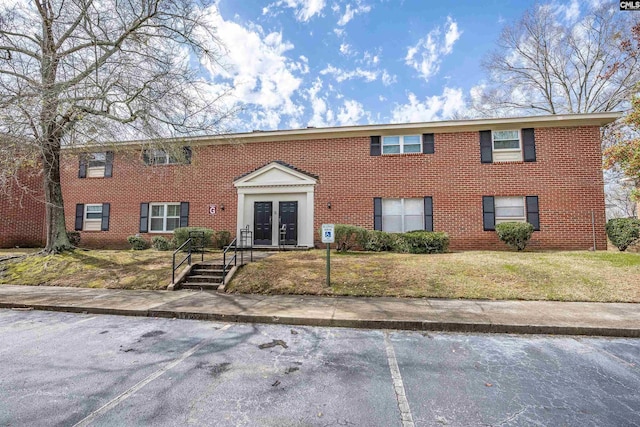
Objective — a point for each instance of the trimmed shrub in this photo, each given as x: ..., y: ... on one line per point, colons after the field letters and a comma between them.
x: 180, y: 235
x: 223, y: 238
x: 378, y: 241
x: 74, y: 237
x: 426, y: 242
x: 349, y: 236
x: 138, y: 243
x: 160, y: 243
x: 623, y: 232
x: 515, y: 234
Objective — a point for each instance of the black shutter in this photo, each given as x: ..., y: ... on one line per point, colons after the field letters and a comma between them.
x: 533, y: 212
x: 428, y: 213
x: 106, y: 207
x: 488, y: 213
x: 82, y: 168
x: 428, y: 145
x: 486, y: 147
x: 375, y: 149
x: 145, y: 157
x: 529, y: 145
x: 187, y: 155
x: 144, y: 217
x: 79, y: 216
x: 108, y: 166
x: 377, y: 213
x: 184, y: 214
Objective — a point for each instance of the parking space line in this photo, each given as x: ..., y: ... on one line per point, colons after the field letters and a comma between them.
x: 398, y: 385
x: 128, y: 393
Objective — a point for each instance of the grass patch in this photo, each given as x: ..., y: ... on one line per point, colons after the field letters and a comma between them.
x: 560, y: 276
x: 148, y: 269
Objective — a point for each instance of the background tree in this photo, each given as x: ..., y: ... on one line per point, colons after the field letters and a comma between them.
x: 85, y: 71
x: 552, y: 62
x: 547, y: 63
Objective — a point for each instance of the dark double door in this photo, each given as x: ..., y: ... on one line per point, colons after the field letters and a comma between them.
x: 263, y: 222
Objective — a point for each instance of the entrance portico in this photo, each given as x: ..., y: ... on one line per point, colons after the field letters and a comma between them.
x: 273, y: 198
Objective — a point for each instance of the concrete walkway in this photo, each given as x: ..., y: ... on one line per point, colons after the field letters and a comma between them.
x: 530, y: 317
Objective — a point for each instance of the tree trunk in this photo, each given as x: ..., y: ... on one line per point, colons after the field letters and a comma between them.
x: 57, y: 240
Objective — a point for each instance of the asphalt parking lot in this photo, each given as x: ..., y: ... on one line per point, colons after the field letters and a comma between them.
x: 75, y: 369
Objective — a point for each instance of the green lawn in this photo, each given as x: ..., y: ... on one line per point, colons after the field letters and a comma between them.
x: 563, y: 276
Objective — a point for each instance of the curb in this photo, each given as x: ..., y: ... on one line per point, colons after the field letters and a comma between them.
x: 409, y: 325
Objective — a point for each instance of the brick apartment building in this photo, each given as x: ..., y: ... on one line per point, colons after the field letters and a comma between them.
x: 461, y: 177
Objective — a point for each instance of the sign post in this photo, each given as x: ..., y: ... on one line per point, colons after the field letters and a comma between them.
x: 328, y: 237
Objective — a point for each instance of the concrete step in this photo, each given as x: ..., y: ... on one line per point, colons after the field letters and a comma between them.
x: 200, y: 286
x: 202, y: 278
x: 207, y: 271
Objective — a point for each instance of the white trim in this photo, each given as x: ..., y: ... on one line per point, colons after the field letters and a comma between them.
x: 401, y: 144
x: 403, y: 213
x: 499, y: 219
x: 164, y: 216
x: 91, y: 224
x: 506, y: 154
x: 555, y: 120
x: 277, y: 183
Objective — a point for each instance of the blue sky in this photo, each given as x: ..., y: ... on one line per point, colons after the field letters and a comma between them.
x: 298, y: 63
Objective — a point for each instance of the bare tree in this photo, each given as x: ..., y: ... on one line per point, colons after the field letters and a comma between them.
x: 91, y: 71
x: 544, y: 64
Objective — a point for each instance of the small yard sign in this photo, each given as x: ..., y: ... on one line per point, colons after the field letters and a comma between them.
x: 328, y: 236
x: 328, y: 233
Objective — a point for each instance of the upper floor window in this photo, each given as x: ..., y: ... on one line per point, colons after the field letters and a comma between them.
x: 159, y: 156
x: 506, y: 146
x: 96, y: 165
x: 401, y: 144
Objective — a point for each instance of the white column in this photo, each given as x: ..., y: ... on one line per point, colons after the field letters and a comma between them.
x: 309, y: 231
x: 240, y: 215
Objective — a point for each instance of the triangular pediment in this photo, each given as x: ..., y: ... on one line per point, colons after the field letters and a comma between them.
x: 275, y: 174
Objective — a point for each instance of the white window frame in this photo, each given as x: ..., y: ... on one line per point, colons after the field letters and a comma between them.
x: 402, y: 144
x: 86, y: 220
x: 403, y: 214
x: 498, y: 151
x: 164, y: 216
x: 96, y: 171
x: 499, y: 219
x: 154, y: 153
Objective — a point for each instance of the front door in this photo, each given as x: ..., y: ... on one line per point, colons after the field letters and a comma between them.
x: 289, y: 222
x: 262, y: 223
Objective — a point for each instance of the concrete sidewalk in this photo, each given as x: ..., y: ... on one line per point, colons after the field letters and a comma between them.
x: 530, y: 317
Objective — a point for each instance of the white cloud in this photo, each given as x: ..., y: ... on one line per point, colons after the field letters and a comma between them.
x: 388, y: 79
x: 345, y: 49
x: 262, y: 75
x: 437, y: 107
x: 338, y: 32
x: 426, y: 56
x: 304, y: 9
x: 569, y: 12
x: 351, y: 11
x: 351, y: 113
x: 341, y: 75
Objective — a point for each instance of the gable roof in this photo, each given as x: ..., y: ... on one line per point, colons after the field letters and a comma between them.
x: 291, y: 173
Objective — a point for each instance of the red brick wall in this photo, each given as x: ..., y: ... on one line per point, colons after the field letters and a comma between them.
x: 567, y: 178
x: 22, y: 212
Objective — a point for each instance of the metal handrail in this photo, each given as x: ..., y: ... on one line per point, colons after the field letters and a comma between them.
x: 233, y: 259
x: 188, y: 257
